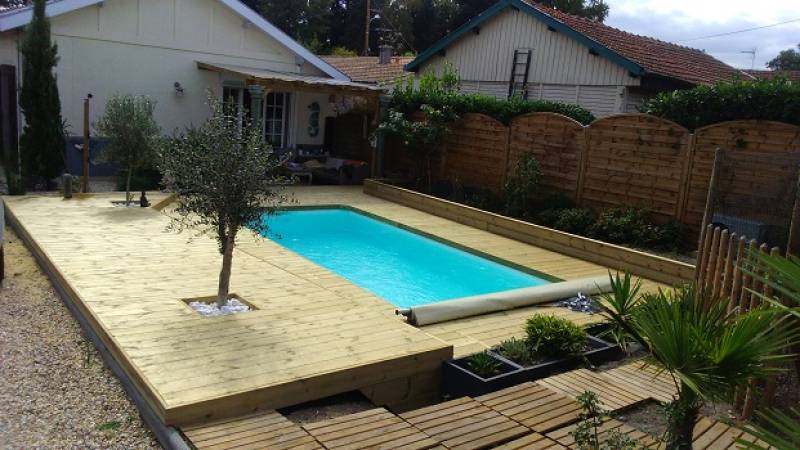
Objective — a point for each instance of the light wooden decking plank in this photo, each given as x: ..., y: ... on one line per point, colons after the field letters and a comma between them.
x: 534, y: 406
x: 612, y: 394
x: 465, y: 424
x: 373, y: 429
x: 265, y: 430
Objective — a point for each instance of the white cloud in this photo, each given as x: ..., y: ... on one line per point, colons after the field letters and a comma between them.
x: 682, y: 20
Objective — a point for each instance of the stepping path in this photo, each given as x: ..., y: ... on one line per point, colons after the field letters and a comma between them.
x: 265, y: 430
x: 373, y: 429
x: 465, y: 424
x: 644, y: 380
x: 564, y: 435
x: 714, y: 435
x: 533, y: 441
x: 539, y: 408
x: 613, y: 394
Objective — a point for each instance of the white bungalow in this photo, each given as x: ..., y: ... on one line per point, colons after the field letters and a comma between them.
x: 174, y: 51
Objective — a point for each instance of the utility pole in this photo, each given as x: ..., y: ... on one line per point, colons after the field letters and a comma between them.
x: 367, y: 21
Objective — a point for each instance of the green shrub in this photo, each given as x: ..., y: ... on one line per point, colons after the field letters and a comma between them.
x: 550, y: 199
x: 481, y: 198
x: 141, y: 180
x: 619, y: 225
x: 521, y: 186
x: 442, y: 93
x: 551, y: 336
x: 484, y: 365
x: 548, y: 217
x: 776, y: 99
x: 516, y: 350
x: 575, y: 220
x: 661, y: 237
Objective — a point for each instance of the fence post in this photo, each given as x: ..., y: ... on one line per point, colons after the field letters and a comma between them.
x: 582, y: 165
x: 686, y: 174
x: 507, y: 157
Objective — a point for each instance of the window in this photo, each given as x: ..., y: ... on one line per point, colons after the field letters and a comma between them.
x: 236, y: 101
x: 275, y: 118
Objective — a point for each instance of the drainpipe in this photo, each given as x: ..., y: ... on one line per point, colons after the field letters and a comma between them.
x: 256, y: 100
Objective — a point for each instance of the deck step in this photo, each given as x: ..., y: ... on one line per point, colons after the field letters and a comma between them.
x: 534, y: 406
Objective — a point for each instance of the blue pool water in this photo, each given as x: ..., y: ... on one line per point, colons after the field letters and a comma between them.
x: 404, y: 268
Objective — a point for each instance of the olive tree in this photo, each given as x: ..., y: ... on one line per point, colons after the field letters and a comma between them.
x: 132, y: 134
x: 225, y: 179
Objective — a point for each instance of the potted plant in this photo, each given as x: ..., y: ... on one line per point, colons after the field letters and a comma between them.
x: 552, y: 345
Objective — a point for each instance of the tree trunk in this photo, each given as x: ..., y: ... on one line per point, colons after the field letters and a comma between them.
x: 682, y: 416
x: 128, y: 187
x: 225, y: 273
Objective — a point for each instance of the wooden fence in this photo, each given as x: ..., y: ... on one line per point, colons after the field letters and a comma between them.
x: 624, y: 160
x: 722, y: 257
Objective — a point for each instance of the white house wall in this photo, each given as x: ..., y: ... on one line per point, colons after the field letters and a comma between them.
x: 561, y: 68
x: 143, y: 47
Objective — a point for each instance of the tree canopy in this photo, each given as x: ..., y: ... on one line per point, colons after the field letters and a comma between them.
x: 788, y: 59
x: 407, y: 25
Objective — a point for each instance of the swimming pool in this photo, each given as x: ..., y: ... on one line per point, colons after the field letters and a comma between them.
x: 403, y: 267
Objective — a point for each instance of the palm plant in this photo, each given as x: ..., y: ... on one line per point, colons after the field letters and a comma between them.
x: 623, y: 298
x: 782, y: 275
x: 708, y: 350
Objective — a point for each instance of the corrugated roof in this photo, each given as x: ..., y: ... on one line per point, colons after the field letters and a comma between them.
x: 366, y: 69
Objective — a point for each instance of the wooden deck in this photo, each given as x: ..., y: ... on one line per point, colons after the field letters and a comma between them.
x: 314, y: 333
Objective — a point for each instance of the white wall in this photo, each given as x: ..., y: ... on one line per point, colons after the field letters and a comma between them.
x: 561, y: 68
x: 143, y: 47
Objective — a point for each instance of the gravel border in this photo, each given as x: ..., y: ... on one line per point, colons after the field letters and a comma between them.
x: 56, y: 391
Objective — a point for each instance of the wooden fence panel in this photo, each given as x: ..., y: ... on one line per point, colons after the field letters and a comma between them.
x: 745, y: 135
x: 555, y: 141
x: 476, y: 152
x: 635, y: 160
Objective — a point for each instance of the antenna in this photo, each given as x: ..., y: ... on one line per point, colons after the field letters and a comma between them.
x: 752, y: 53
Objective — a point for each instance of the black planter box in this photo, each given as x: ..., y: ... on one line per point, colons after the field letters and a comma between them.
x: 458, y: 380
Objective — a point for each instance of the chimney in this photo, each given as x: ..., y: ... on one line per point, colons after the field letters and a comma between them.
x: 385, y: 54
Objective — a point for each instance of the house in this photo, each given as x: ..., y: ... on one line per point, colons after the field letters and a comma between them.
x: 791, y: 75
x: 526, y: 49
x: 174, y: 51
x: 383, y: 70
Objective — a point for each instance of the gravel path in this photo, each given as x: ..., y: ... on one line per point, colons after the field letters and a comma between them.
x: 55, y: 390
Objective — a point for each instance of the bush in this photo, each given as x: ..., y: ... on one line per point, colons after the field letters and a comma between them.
x: 141, y: 180
x: 551, y: 336
x: 574, y: 220
x: 521, y: 187
x: 484, y: 365
x: 548, y: 217
x: 776, y: 99
x: 516, y: 350
x: 481, y: 198
x: 442, y: 93
x: 550, y: 199
x: 618, y: 225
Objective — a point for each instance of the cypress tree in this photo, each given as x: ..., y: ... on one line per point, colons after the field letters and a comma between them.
x: 42, y: 142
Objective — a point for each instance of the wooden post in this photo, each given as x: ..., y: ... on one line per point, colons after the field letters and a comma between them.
x: 793, y: 240
x: 711, y: 197
x: 583, y: 163
x: 85, y: 181
x: 686, y: 175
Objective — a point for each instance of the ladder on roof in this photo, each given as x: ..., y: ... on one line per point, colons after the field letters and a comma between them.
x: 520, y: 66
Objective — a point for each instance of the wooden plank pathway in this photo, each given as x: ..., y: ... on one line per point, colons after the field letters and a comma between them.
x: 535, y: 406
x: 266, y: 430
x: 564, y: 435
x: 643, y: 380
x: 613, y: 394
x: 373, y: 429
x: 465, y: 424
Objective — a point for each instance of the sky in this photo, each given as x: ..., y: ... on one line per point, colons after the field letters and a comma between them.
x: 681, y: 21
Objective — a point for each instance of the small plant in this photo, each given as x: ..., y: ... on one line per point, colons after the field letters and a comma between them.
x: 516, y: 350
x: 618, y: 225
x: 574, y: 220
x: 484, y: 365
x: 551, y: 336
x: 112, y: 425
x: 588, y: 433
x: 624, y: 299
x: 521, y: 187
x: 132, y: 134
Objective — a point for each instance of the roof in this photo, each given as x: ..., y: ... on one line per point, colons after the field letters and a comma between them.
x: 366, y: 69
x: 640, y: 55
x: 20, y: 16
x: 793, y: 75
x: 291, y: 80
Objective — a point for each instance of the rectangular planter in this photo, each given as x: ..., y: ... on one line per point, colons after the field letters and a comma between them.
x: 458, y: 380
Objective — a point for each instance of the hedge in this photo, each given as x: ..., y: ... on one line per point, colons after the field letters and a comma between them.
x: 777, y: 99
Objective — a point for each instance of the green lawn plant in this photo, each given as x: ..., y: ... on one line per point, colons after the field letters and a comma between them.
x: 225, y: 178
x: 132, y: 133
x: 707, y: 350
x: 549, y: 336
x: 516, y: 350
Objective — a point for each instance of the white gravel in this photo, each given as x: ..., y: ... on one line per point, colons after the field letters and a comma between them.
x: 55, y: 393
x: 233, y: 306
